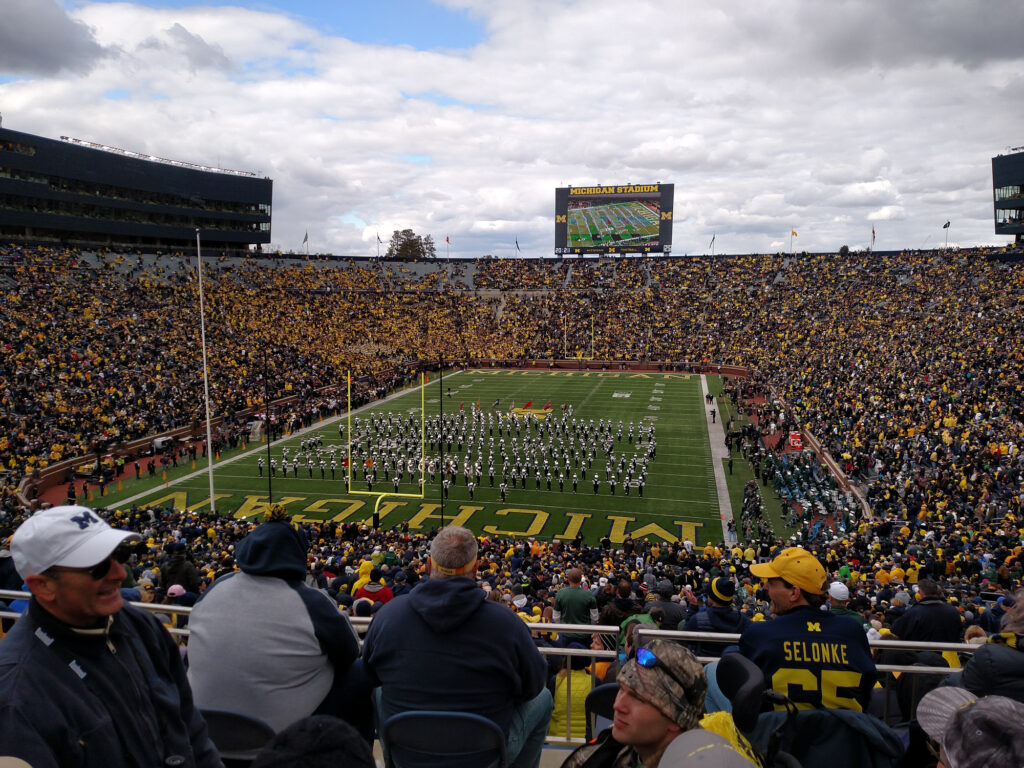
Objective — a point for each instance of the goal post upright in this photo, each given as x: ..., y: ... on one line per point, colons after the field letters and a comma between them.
x: 423, y: 448
x: 565, y: 342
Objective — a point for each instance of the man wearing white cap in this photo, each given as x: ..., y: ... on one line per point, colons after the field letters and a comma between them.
x: 85, y: 680
x: 839, y: 602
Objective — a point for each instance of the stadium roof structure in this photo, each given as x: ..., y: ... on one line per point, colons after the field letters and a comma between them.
x: 79, y: 193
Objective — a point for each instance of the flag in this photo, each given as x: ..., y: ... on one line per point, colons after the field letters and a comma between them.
x: 547, y: 407
x: 946, y: 225
x: 447, y: 240
x: 378, y: 238
x: 461, y: 403
x: 305, y: 239
x: 872, y: 235
x: 478, y: 404
x: 712, y: 243
x: 517, y: 245
x: 513, y: 405
x: 495, y: 403
x: 528, y: 403
x: 793, y: 232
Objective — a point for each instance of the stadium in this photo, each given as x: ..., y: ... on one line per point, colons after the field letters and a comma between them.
x: 651, y: 417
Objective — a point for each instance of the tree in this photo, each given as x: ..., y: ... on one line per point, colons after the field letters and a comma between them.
x: 407, y: 245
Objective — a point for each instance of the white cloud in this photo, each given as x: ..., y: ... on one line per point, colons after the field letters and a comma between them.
x: 763, y: 115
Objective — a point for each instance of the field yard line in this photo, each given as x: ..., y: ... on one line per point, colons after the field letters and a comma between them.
x: 590, y: 394
x: 262, y: 447
x: 716, y: 437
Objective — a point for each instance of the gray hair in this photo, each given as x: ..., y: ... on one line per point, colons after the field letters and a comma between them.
x: 453, y: 548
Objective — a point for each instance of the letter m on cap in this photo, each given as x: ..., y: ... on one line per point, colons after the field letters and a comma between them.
x: 84, y: 520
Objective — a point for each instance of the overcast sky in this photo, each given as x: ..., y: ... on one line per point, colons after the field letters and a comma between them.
x: 459, y: 118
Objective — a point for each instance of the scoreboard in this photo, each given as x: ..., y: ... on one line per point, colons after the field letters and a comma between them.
x: 627, y: 218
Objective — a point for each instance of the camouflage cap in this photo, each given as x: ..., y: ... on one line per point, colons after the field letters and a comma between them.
x: 681, y: 699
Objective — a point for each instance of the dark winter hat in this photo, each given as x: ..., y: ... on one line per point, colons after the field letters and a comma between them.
x: 722, y: 590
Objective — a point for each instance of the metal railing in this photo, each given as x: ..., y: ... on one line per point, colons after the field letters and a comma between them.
x: 362, y: 623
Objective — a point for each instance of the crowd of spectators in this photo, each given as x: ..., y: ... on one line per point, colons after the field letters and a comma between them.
x: 905, y: 366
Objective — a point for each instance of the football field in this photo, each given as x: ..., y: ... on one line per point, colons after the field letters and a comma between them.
x: 491, y: 418
x: 627, y: 222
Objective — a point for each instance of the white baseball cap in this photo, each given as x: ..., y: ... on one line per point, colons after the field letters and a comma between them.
x: 839, y: 591
x: 71, y: 536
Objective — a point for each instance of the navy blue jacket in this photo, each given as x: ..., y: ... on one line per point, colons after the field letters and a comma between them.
x: 445, y: 646
x: 717, y: 618
x: 931, y: 620
x: 97, y: 700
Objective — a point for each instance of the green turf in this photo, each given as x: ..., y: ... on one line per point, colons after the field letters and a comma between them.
x: 679, y: 497
x: 741, y: 468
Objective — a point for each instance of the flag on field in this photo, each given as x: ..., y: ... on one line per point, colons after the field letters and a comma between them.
x: 793, y: 232
x: 495, y: 403
x: 547, y: 406
x: 512, y: 405
x: 517, y: 245
x: 461, y: 403
x: 528, y: 403
x: 306, y: 238
x: 946, y: 225
x: 369, y: 462
x: 478, y: 404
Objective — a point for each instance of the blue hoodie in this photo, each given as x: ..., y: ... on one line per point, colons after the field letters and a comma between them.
x: 445, y: 646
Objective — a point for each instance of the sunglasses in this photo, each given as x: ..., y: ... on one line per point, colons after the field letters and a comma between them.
x: 101, y: 569
x: 645, y: 658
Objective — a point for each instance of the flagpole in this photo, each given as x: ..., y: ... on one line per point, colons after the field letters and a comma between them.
x: 440, y: 399
x: 206, y: 375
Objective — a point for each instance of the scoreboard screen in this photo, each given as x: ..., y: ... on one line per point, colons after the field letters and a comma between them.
x: 629, y: 218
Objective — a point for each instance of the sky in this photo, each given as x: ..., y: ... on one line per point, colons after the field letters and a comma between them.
x: 459, y: 118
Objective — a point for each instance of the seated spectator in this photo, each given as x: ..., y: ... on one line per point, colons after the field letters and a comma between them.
x: 572, y: 684
x: 265, y: 644
x: 814, y: 658
x: 997, y: 667
x: 375, y: 590
x: 661, y: 695
x: 931, y: 618
x: 972, y: 731
x: 719, y: 616
x: 445, y: 646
